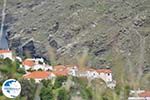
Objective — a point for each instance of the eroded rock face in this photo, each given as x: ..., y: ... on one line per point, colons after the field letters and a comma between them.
x: 4, y: 39
x: 72, y: 26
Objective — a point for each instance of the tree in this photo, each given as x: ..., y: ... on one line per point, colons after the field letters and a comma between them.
x: 47, y: 83
x: 21, y: 70
x: 28, y: 88
x: 10, y: 68
x: 59, y: 80
x: 7, y: 61
x: 63, y: 95
x: 46, y: 93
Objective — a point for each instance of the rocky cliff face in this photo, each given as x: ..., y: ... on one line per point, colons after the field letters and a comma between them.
x: 74, y: 27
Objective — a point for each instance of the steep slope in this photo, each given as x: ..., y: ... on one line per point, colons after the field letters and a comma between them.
x: 74, y: 27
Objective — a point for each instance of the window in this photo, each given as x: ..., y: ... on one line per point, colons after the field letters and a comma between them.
x: 40, y: 62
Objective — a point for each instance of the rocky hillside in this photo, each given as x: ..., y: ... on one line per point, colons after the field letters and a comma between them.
x: 97, y: 29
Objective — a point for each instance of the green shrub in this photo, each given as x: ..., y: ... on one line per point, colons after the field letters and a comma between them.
x: 47, y: 83
x: 63, y: 95
x: 28, y: 88
x: 21, y: 70
x: 59, y: 80
x: 46, y: 93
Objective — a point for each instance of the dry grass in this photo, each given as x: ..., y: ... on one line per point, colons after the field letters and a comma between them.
x: 52, y: 56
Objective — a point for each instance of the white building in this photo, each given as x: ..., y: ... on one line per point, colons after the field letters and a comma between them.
x: 139, y: 98
x: 28, y: 64
x: 105, y: 74
x: 35, y: 64
x: 19, y: 58
x: 91, y: 73
x: 39, y: 75
x: 6, y: 54
x: 73, y: 70
x: 61, y: 70
x: 84, y: 72
x: 48, y: 68
x: 139, y: 95
x: 111, y: 84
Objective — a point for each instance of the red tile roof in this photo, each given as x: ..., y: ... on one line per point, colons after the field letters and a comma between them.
x: 59, y: 67
x: 61, y: 73
x: 90, y: 69
x: 28, y: 62
x: 38, y: 75
x: 145, y: 94
x: 70, y: 66
x: 60, y: 70
x: 104, y: 70
x: 5, y: 51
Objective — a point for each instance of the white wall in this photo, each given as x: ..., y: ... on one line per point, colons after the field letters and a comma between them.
x: 6, y: 55
x: 92, y: 74
x: 107, y: 77
x: 73, y: 71
x: 139, y: 98
x: 26, y: 67
x: 38, y: 66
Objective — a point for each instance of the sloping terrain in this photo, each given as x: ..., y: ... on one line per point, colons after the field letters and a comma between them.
x: 75, y: 27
